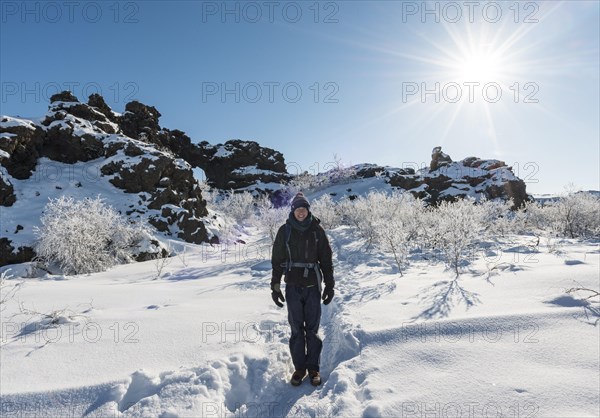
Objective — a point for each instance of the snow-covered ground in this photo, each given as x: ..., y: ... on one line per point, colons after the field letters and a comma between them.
x: 201, y: 337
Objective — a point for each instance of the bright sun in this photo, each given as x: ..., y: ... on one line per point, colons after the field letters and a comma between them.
x: 479, y: 67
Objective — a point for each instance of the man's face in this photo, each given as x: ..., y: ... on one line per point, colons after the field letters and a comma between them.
x: 300, y: 213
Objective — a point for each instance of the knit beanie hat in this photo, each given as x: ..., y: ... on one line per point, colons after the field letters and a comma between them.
x: 300, y: 201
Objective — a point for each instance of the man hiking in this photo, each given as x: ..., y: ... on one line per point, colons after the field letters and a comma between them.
x: 302, y: 253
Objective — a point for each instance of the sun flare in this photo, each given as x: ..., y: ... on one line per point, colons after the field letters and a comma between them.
x: 479, y: 68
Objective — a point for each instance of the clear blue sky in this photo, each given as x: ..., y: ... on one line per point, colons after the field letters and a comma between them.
x: 379, y: 82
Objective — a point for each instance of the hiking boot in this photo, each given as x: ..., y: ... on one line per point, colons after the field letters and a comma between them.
x: 297, y: 377
x: 315, y: 377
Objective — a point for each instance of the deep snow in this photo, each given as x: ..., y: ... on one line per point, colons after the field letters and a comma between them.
x: 205, y: 340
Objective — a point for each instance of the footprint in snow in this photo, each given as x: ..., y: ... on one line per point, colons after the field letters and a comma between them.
x: 520, y: 391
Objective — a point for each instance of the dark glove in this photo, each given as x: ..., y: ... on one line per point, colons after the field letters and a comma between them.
x: 327, y: 295
x: 277, y: 295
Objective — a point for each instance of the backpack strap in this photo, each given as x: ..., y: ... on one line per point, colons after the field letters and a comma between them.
x: 288, y: 234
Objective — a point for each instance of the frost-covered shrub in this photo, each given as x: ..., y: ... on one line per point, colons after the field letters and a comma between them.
x: 363, y: 212
x: 391, y: 221
x: 306, y: 183
x: 239, y: 206
x: 338, y: 173
x: 575, y: 215
x: 497, y: 217
x: 459, y: 225
x: 269, y: 218
x: 397, y: 224
x: 86, y: 236
x: 210, y: 195
x: 325, y: 209
x: 335, y: 173
x: 346, y: 211
x: 531, y: 218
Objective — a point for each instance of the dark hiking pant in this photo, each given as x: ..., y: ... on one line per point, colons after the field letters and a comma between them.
x: 304, y: 315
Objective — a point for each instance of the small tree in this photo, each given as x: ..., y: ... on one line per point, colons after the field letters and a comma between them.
x: 459, y: 225
x: 85, y: 236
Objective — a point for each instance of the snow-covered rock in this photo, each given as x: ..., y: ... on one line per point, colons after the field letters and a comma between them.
x: 447, y: 180
x: 80, y: 150
x: 225, y: 165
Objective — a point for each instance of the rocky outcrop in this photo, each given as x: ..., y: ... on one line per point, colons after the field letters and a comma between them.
x: 11, y: 255
x: 372, y: 170
x: 64, y: 96
x: 439, y: 159
x: 238, y: 164
x: 140, y: 122
x: 61, y: 143
x: 7, y: 191
x: 447, y: 180
x: 73, y: 132
x: 22, y: 141
x: 168, y: 186
x: 97, y: 102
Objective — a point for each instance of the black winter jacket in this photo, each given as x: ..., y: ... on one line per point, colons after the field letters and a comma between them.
x: 310, y: 246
